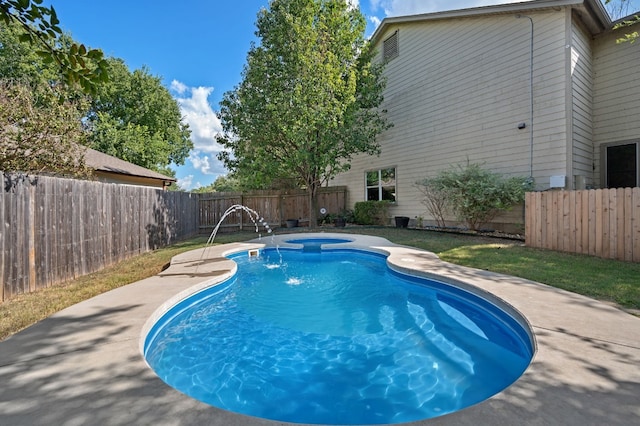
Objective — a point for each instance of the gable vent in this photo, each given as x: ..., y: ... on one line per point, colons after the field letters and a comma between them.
x: 390, y: 47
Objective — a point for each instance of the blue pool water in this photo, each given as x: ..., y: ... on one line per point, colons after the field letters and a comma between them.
x: 336, y: 337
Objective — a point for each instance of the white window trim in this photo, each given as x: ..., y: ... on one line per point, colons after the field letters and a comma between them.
x: 380, y: 186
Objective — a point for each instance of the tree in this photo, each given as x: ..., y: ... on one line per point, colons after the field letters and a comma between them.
x: 135, y: 118
x: 308, y: 100
x: 132, y: 116
x: 221, y: 184
x: 617, y: 8
x: 40, y: 122
x: 19, y: 61
x: 620, y: 9
x: 40, y: 25
x: 38, y: 133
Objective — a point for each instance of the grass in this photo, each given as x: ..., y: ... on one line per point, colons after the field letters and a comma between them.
x: 27, y: 309
x: 605, y: 280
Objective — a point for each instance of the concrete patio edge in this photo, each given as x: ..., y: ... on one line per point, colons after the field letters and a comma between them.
x: 84, y: 365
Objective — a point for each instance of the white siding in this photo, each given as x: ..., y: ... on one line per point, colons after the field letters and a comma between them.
x: 457, y: 92
x: 616, y: 94
x: 582, y: 104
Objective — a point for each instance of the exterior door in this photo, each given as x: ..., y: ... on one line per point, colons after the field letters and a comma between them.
x: 622, y: 166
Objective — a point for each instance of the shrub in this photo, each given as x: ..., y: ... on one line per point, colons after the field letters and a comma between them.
x: 476, y: 195
x: 372, y: 212
x: 435, y: 199
x: 345, y: 214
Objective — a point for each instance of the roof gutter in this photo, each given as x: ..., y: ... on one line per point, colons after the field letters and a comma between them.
x: 594, y: 6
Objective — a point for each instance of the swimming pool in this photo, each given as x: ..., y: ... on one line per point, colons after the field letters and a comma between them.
x: 336, y: 337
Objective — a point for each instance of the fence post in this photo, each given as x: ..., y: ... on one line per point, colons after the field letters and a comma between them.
x: 31, y: 217
x: 635, y: 223
x: 241, y: 213
x: 2, y: 237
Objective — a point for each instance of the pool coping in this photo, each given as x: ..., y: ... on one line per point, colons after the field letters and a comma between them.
x: 84, y: 364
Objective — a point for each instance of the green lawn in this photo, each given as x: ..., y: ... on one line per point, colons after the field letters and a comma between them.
x: 607, y: 280
x: 603, y: 279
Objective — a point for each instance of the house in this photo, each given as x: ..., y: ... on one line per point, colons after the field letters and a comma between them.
x: 114, y: 170
x: 536, y: 89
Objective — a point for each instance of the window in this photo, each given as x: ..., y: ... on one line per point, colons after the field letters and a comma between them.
x: 390, y: 47
x: 381, y: 185
x: 621, y: 165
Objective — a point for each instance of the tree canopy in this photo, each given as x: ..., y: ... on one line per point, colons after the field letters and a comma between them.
x: 221, y: 184
x: 135, y: 118
x: 308, y: 100
x: 40, y: 123
x: 20, y: 61
x: 131, y: 116
x: 38, y: 132
x: 40, y: 28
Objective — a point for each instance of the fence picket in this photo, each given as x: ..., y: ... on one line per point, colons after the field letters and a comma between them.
x: 54, y: 229
x: 611, y: 237
x: 621, y: 218
x: 3, y: 233
x: 577, y: 223
x: 599, y: 223
x: 584, y: 221
x: 602, y: 222
x: 566, y: 222
x: 275, y: 207
x: 628, y: 224
x: 635, y: 223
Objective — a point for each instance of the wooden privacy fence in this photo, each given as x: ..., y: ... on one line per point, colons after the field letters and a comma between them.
x: 54, y: 229
x: 274, y: 206
x: 601, y: 222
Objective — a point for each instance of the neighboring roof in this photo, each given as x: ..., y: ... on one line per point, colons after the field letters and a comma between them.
x: 598, y: 19
x: 106, y: 163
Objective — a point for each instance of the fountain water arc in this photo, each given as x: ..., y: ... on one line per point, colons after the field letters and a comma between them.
x: 253, y: 215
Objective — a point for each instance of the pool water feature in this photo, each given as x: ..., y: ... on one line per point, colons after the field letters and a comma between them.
x: 336, y: 337
x: 318, y: 241
x: 315, y: 244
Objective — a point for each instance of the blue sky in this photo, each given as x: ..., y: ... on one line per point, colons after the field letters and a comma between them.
x: 198, y: 48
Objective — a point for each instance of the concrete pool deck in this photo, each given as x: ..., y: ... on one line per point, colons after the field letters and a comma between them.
x: 83, y: 365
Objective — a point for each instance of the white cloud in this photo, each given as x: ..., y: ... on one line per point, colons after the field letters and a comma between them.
x: 206, y: 164
x: 204, y: 124
x: 185, y: 182
x: 197, y: 112
x: 178, y: 87
x: 200, y: 162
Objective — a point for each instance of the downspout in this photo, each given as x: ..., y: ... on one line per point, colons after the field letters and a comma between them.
x: 530, y: 97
